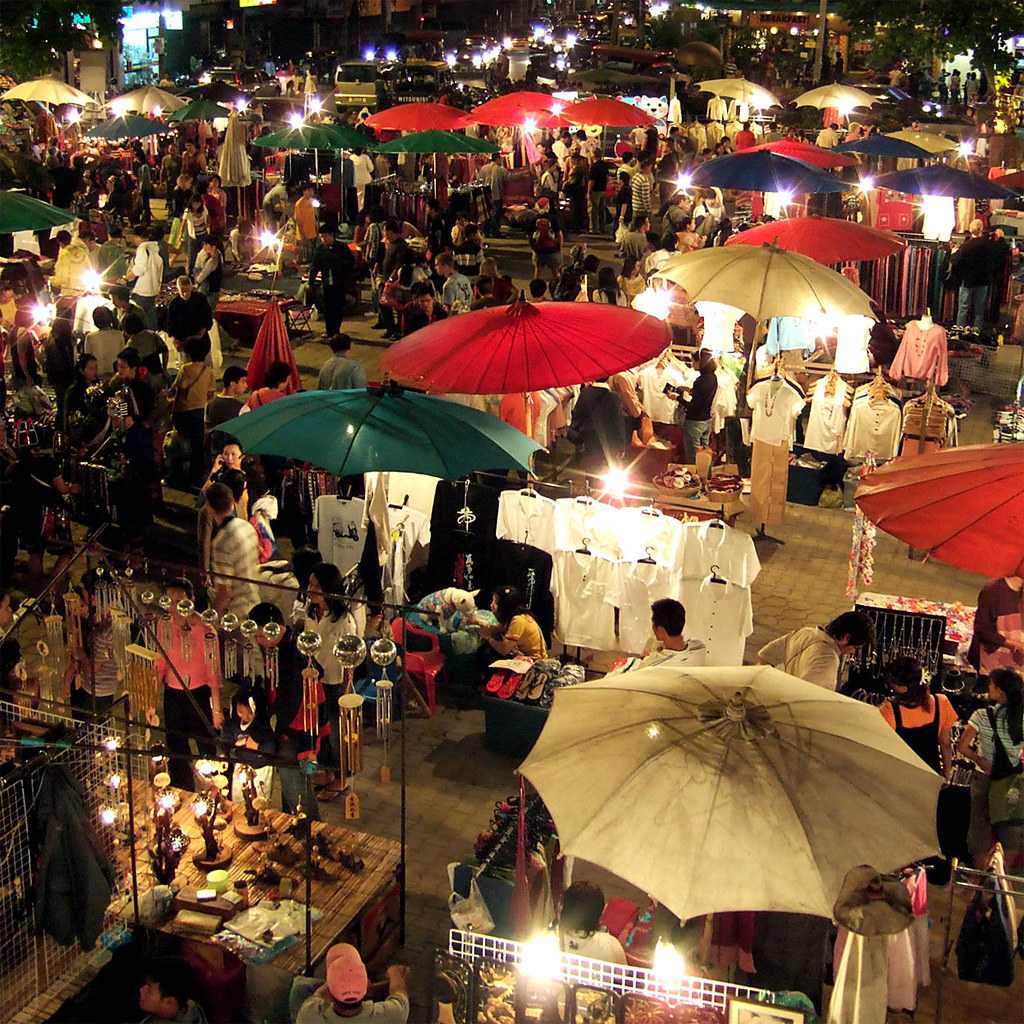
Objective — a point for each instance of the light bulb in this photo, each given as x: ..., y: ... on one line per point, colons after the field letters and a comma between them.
x: 530, y: 124
x: 669, y: 966
x: 241, y: 106
x: 74, y: 115
x: 507, y: 42
x: 295, y: 120
x: 477, y: 60
x: 201, y: 808
x: 108, y: 816
x: 451, y: 60
x: 867, y: 183
x: 92, y: 281
x: 966, y: 149
x: 570, y: 38
x: 157, y: 110
x: 616, y: 480
x: 684, y: 181
x: 316, y: 104
x: 541, y: 958
x: 391, y: 53
x: 369, y: 53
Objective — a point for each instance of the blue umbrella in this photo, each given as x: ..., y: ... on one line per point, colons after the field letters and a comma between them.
x: 942, y: 180
x: 765, y: 171
x: 383, y: 429
x: 885, y: 145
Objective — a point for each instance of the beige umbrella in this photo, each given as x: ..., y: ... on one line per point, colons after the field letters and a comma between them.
x: 931, y: 142
x: 740, y: 89
x: 842, y: 97
x: 235, y: 167
x: 725, y: 789
x: 49, y: 90
x: 148, y: 100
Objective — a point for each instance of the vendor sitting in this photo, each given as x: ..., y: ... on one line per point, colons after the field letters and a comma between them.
x: 342, y: 999
x: 579, y: 927
x: 166, y: 990
x: 517, y: 631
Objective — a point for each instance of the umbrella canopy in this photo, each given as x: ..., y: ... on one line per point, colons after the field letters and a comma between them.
x: 842, y: 97
x: 608, y: 114
x: 315, y: 136
x: 19, y: 212
x: 884, y: 145
x: 823, y: 239
x: 49, y: 90
x: 765, y: 282
x: 199, y: 110
x: 552, y: 122
x: 418, y: 117
x: 698, y: 54
x: 1014, y: 181
x: 742, y: 90
x: 216, y: 92
x: 148, y: 100
x: 928, y: 141
x: 943, y: 180
x: 817, y: 156
x: 965, y: 506
x: 526, y: 347
x: 271, y: 346
x: 514, y: 108
x: 364, y: 430
x: 764, y: 171
x: 438, y: 142
x: 725, y: 789
x: 235, y: 167
x: 131, y: 126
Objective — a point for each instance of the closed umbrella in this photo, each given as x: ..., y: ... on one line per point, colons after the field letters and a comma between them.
x: 928, y: 141
x: 943, y: 180
x: 608, y: 114
x: 817, y: 156
x: 148, y: 100
x: 514, y: 109
x: 235, y: 166
x: 50, y: 91
x: 764, y: 171
x: 884, y: 146
x: 19, y: 212
x: 383, y: 429
x: 742, y: 90
x: 131, y: 126
x: 418, y: 117
x: 843, y: 98
x: 730, y: 789
x: 199, y: 110
x: 824, y: 239
x: 271, y: 346
x: 964, y: 506
x: 525, y: 347
x: 765, y: 281
x: 438, y: 142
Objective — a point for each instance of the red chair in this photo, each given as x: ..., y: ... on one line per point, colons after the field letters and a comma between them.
x: 425, y: 666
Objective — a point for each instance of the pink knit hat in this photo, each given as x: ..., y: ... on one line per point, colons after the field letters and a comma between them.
x: 346, y: 973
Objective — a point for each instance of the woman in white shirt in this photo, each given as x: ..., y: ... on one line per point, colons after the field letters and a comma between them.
x: 579, y: 928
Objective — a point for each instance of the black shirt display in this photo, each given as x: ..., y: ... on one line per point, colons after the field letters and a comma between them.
x: 528, y: 569
x: 462, y: 536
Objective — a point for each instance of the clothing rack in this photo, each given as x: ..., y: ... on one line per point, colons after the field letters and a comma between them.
x: 911, y: 280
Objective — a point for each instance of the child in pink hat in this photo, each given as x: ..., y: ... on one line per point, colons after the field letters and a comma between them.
x: 342, y: 1000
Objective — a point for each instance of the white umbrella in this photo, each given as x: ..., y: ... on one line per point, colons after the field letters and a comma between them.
x: 235, y: 167
x: 765, y: 281
x: 843, y: 98
x: 49, y: 90
x: 731, y: 788
x: 931, y: 142
x: 740, y: 89
x: 148, y: 100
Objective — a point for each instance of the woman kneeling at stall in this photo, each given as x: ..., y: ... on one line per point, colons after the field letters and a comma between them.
x: 517, y: 631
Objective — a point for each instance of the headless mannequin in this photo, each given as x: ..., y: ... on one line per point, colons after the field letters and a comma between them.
x: 926, y: 323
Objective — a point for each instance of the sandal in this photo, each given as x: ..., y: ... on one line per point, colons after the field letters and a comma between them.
x: 510, y: 686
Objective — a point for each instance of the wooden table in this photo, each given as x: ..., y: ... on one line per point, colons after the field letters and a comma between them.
x: 340, y: 895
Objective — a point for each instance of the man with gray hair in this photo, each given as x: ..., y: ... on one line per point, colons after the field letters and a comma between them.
x: 973, y: 268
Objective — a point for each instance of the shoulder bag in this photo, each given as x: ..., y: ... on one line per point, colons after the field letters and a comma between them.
x: 1006, y: 786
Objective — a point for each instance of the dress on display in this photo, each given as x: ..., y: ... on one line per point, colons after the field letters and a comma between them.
x: 826, y: 426
x: 922, y: 354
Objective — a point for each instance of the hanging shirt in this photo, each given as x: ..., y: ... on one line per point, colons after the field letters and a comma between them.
x: 725, y: 401
x: 584, y: 615
x: 409, y: 529
x: 719, y: 325
x: 717, y: 109
x: 652, y: 380
x: 721, y: 615
x: 339, y: 530
x: 826, y: 427
x: 852, y: 336
x: 922, y: 354
x: 776, y: 405
x: 635, y: 587
x: 873, y: 426
x: 650, y: 533
x: 583, y: 519
x: 528, y: 569
x: 527, y: 518
x: 713, y: 544
x: 788, y: 334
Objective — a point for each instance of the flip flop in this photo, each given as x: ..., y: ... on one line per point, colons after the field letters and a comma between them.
x: 510, y: 686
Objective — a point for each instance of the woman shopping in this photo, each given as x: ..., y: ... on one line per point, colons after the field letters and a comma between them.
x: 997, y: 791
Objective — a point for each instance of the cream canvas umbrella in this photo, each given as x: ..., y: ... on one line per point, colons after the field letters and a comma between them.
x: 235, y: 167
x: 931, y: 142
x: 49, y: 90
x: 725, y: 789
x: 843, y: 98
x: 740, y: 89
x: 148, y: 100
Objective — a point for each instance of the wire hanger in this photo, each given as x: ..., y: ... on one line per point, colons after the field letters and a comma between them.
x: 717, y: 523
x: 648, y: 558
x: 584, y: 548
x: 650, y: 510
x: 714, y: 577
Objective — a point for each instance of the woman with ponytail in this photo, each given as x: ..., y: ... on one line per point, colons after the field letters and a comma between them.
x: 999, y: 731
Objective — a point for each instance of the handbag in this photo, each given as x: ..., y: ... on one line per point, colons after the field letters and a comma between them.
x: 56, y: 525
x: 391, y: 293
x: 174, y: 235
x: 1006, y: 784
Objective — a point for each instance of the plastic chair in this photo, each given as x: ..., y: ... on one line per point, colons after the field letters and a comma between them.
x: 427, y: 666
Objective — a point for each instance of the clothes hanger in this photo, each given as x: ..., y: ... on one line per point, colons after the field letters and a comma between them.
x: 584, y: 548
x: 717, y: 523
x: 714, y: 577
x: 528, y: 491
x: 648, y: 558
x: 650, y: 510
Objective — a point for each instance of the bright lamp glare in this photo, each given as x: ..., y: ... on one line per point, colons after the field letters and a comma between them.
x: 571, y: 38
x: 391, y: 53
x: 530, y: 124
x: 451, y: 60
x: 557, y: 107
x: 41, y: 314
x: 268, y: 239
x: 507, y: 43
x: 295, y: 120
x: 369, y: 53
x: 684, y: 181
x: 654, y: 302
x: 241, y: 106
x: 616, y: 481
x: 477, y: 60
x: 541, y: 957
x: 867, y: 183
x: 966, y: 149
x: 785, y: 198
x: 74, y: 115
x: 119, y: 108
x: 92, y: 280
x: 669, y: 966
x: 316, y: 104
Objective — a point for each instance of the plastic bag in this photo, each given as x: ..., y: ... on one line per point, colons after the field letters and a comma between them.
x: 470, y: 913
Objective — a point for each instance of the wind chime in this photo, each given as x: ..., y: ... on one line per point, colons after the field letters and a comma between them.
x: 163, y: 622
x: 229, y: 626
x: 272, y: 632
x: 121, y: 634
x: 185, y: 608
x: 148, y: 599
x: 143, y: 684
x: 211, y: 640
x: 383, y: 653
x: 247, y: 631
x: 308, y: 644
x: 350, y: 719
x: 74, y: 612
x: 53, y: 656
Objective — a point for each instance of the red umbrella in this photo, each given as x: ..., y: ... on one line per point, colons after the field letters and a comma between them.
x: 609, y: 113
x: 525, y: 347
x: 554, y: 122
x: 1014, y: 181
x: 418, y: 117
x: 810, y: 154
x: 824, y: 239
x: 271, y: 346
x: 514, y: 108
x: 965, y: 506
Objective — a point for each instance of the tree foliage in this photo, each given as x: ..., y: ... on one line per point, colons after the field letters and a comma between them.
x: 35, y: 36
x: 918, y: 30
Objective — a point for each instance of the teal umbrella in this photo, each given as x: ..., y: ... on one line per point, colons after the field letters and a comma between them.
x: 315, y: 136
x: 131, y: 126
x: 382, y: 429
x: 19, y: 212
x: 438, y: 142
x: 199, y: 110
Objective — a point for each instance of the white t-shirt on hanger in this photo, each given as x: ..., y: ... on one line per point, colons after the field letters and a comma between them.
x: 719, y: 325
x: 584, y: 615
x: 705, y: 545
x: 339, y: 530
x: 721, y: 615
x: 579, y: 519
x: 409, y: 529
x: 776, y: 405
x: 526, y: 518
x: 826, y: 426
x: 649, y: 532
x: 853, y: 333
x: 635, y: 587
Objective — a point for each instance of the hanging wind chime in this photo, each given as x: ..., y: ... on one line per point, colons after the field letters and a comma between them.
x: 308, y: 644
x: 383, y: 653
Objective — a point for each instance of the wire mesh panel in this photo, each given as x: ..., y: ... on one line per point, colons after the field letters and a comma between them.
x: 620, y: 978
x: 18, y: 949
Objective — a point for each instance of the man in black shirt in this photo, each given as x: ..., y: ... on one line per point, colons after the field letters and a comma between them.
x: 973, y: 267
x: 335, y: 265
x: 697, y: 412
x: 597, y: 193
x: 598, y: 428
x: 189, y: 314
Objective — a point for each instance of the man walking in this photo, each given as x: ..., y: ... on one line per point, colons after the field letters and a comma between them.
x: 494, y: 176
x: 973, y: 266
x: 335, y: 265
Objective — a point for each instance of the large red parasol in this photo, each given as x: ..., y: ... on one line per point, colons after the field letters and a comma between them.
x: 515, y: 108
x: 824, y: 239
x: 271, y: 346
x: 418, y: 117
x: 965, y: 506
x: 525, y: 347
x: 806, y: 151
x: 608, y: 113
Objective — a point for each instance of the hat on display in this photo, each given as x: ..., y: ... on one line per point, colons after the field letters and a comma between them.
x: 869, y: 904
x: 346, y: 974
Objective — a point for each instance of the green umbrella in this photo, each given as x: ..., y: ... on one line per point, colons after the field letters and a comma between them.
x: 438, y: 142
x: 315, y: 136
x: 131, y: 126
x: 383, y: 429
x: 19, y: 212
x: 199, y: 110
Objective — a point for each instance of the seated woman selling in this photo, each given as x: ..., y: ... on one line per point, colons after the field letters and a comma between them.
x: 517, y: 631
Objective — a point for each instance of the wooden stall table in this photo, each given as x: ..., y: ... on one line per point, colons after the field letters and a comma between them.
x: 242, y: 317
x: 360, y: 907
